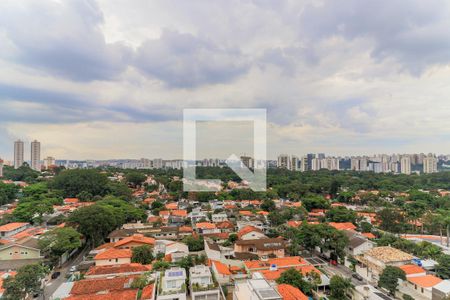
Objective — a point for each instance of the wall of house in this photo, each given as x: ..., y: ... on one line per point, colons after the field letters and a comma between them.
x: 114, y: 261
x: 17, y: 252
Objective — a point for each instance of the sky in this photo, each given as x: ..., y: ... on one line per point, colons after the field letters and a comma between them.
x: 104, y: 79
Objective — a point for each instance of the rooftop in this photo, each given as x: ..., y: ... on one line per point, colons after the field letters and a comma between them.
x: 288, y: 292
x: 130, y: 294
x: 343, y: 226
x: 425, y: 281
x: 114, y: 253
x: 412, y: 269
x: 117, y: 269
x: 12, y: 226
x: 92, y: 286
x: 388, y: 254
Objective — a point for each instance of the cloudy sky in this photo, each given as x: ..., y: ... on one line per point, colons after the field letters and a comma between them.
x: 110, y: 78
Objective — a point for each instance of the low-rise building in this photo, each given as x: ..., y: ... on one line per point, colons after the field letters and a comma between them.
x: 202, y: 285
x: 113, y: 256
x: 255, y: 289
x: 11, y: 229
x: 372, y: 262
x: 261, y: 247
x: 172, y: 285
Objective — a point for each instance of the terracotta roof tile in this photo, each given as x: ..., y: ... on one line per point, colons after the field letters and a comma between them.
x: 288, y: 292
x: 130, y: 294
x: 92, y: 286
x: 147, y: 292
x: 247, y: 229
x: 117, y: 269
x: 135, y: 238
x: 425, y: 281
x: 12, y: 226
x: 205, y: 225
x: 114, y: 253
x: 343, y: 226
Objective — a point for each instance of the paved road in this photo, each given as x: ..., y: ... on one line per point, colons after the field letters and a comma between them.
x: 53, y: 285
x: 344, y: 272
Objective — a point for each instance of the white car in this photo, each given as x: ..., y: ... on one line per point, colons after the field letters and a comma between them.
x: 73, y: 269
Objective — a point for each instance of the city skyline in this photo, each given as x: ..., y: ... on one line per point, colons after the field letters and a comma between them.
x: 353, y: 83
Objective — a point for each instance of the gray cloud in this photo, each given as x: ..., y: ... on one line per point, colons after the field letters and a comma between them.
x: 414, y: 33
x: 63, y: 38
x: 183, y: 60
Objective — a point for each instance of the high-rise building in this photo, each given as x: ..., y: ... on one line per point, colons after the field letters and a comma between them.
x: 36, y: 155
x: 18, y: 154
x: 49, y: 161
x: 1, y: 167
x: 295, y: 163
x: 315, y: 164
x: 309, y: 158
x: 405, y: 165
x: 430, y: 164
x: 284, y: 161
x: 247, y: 161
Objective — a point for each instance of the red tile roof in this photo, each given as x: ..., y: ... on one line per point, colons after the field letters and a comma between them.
x: 282, y: 262
x: 288, y: 292
x: 12, y: 226
x: 425, y: 281
x: 343, y: 225
x: 412, y: 269
x: 247, y: 229
x: 179, y: 213
x: 114, y: 253
x: 245, y: 213
x: 369, y: 235
x: 205, y: 225
x: 225, y: 225
x: 71, y: 200
x: 147, y: 292
x: 185, y: 229
x: 221, y: 268
x: 135, y: 238
x: 130, y: 294
x: 117, y: 269
x: 92, y: 286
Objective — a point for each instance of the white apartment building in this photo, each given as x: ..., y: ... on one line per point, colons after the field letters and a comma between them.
x: 329, y: 163
x: 18, y: 154
x: 172, y: 285
x: 430, y: 164
x: 295, y: 163
x: 284, y: 161
x: 36, y: 155
x: 255, y: 289
x: 315, y: 164
x: 202, y: 284
x: 405, y: 165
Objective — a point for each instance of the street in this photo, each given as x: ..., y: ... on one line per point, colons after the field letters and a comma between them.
x: 53, y: 284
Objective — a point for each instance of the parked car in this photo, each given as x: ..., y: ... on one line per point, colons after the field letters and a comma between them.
x: 73, y: 269
x: 357, y: 276
x: 56, y: 275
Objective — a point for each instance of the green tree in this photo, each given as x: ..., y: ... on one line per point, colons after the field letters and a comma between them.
x: 142, y: 254
x: 193, y: 243
x: 389, y: 278
x: 135, y: 178
x: 7, y: 193
x: 340, y: 287
x: 95, y: 222
x: 160, y: 266
x: 27, y: 281
x: 295, y: 278
x: 59, y: 241
x: 443, y: 267
x: 268, y: 205
x: 73, y: 182
x: 341, y: 214
x: 32, y: 211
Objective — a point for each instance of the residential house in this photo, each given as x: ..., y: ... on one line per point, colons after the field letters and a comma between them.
x: 206, y: 228
x: 172, y: 285
x: 255, y: 289
x: 202, y: 285
x: 372, y: 262
x: 264, y: 247
x: 220, y: 217
x: 250, y: 233
x: 357, y: 245
x: 113, y: 256
x: 135, y: 240
x: 19, y: 253
x: 11, y: 229
x: 289, y: 292
x: 441, y: 290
